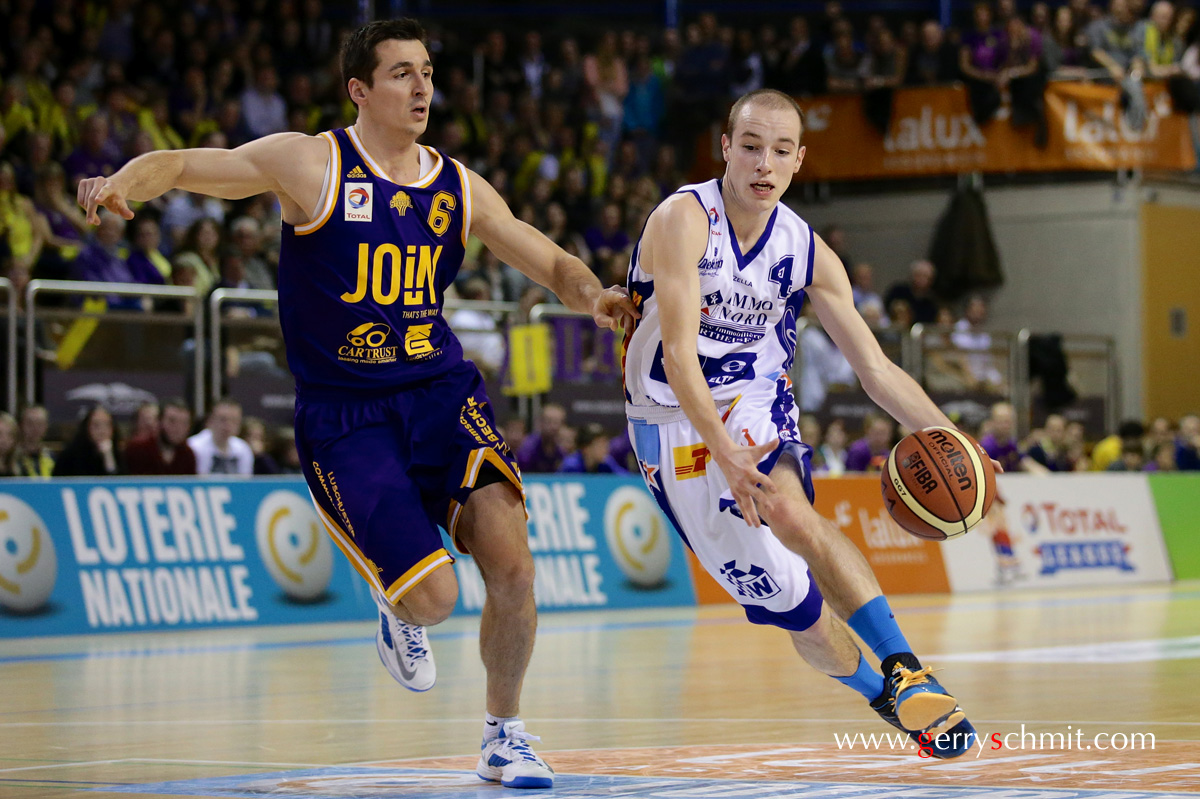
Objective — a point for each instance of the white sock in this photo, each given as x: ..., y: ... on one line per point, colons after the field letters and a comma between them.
x: 492, y: 725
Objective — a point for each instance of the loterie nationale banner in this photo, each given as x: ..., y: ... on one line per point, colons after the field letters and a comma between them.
x: 80, y: 556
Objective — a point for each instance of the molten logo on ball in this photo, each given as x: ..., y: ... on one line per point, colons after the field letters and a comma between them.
x: 28, y: 563
x: 937, y: 484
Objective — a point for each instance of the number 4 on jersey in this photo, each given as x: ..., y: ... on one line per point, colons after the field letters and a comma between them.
x: 781, y: 273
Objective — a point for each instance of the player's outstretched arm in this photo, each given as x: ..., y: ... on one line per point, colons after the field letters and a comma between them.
x: 887, y: 384
x: 266, y: 164
x: 672, y: 246
x: 531, y: 253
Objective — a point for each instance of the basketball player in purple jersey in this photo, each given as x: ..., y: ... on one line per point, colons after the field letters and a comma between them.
x: 394, y: 429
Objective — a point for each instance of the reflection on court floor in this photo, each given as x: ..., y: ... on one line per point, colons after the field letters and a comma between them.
x: 685, y: 703
x: 374, y: 783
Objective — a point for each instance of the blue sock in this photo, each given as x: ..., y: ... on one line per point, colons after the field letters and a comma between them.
x: 876, y: 625
x: 865, y: 680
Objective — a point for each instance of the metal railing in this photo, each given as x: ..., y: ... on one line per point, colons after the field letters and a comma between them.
x: 1091, y: 359
x: 221, y: 325
x: 216, y: 300
x: 93, y: 289
x: 10, y: 305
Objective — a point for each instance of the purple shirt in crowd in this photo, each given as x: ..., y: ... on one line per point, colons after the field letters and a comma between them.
x: 859, y: 456
x: 532, y: 458
x: 988, y: 49
x: 1006, y: 452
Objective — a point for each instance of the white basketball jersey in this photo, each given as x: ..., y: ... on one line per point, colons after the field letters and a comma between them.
x: 748, y: 308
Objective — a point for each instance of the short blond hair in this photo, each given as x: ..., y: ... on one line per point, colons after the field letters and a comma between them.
x: 768, y: 98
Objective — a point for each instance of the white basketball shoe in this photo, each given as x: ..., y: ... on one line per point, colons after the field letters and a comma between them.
x: 509, y: 760
x: 404, y: 649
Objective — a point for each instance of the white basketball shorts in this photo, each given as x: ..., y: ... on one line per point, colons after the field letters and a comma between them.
x: 772, y: 583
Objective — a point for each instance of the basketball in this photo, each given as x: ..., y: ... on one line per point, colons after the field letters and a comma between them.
x: 937, y: 483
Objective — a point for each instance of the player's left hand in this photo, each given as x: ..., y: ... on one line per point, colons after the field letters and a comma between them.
x: 995, y: 463
x: 613, y: 309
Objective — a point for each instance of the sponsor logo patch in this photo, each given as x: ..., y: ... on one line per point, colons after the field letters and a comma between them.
x: 358, y: 202
x: 691, y: 460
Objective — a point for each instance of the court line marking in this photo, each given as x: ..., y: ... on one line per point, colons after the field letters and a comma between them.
x: 122, y: 760
x: 960, y: 603
x: 532, y: 720
x: 64, y: 765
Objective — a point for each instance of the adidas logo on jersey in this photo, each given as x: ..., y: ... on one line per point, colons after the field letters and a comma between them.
x: 356, y: 173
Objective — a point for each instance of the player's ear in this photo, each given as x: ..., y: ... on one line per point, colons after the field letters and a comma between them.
x: 799, y: 158
x: 725, y: 144
x: 357, y: 90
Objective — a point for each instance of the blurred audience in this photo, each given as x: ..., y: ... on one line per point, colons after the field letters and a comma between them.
x: 165, y: 450
x: 94, y: 451
x: 541, y: 451
x: 592, y: 455
x: 217, y: 447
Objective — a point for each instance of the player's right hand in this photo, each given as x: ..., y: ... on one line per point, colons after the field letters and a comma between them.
x: 746, y: 482
x: 96, y: 193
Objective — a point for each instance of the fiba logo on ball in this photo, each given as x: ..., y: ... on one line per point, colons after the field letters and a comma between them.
x: 637, y: 537
x: 293, y: 545
x: 28, y: 563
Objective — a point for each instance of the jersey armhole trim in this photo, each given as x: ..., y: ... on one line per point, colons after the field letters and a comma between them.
x: 330, y: 191
x: 812, y: 254
x: 700, y: 200
x: 466, y: 194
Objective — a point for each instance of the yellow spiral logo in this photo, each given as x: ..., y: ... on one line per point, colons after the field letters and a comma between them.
x: 28, y: 562
x: 293, y: 545
x: 638, y: 537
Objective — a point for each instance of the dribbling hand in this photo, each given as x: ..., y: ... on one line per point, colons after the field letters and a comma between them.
x: 613, y: 309
x: 746, y: 482
x: 97, y: 193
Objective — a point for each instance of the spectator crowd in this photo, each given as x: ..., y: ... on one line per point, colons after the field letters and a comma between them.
x: 583, y: 133
x: 159, y: 441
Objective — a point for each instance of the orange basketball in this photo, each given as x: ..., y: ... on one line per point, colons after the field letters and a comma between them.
x: 938, y: 483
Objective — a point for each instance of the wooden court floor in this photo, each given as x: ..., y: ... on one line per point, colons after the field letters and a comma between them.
x: 678, y: 703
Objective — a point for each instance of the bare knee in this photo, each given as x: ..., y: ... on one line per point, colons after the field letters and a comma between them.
x: 511, y: 575
x: 432, y: 600
x: 795, y: 524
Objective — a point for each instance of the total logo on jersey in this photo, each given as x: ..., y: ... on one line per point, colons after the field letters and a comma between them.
x: 366, y: 345
x: 358, y: 201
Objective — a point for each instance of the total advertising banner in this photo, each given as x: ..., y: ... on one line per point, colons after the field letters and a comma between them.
x: 1062, y: 530
x: 123, y: 555
x: 932, y: 133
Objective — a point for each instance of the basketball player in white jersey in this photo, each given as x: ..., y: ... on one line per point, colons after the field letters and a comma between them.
x: 719, y: 277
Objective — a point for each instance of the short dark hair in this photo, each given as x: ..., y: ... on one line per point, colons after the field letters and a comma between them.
x: 359, y: 58
x: 771, y: 98
x: 589, y: 433
x: 1131, y: 428
x: 178, y: 404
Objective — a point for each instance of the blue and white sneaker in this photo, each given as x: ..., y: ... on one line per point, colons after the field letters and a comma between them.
x: 404, y: 649
x: 507, y: 759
